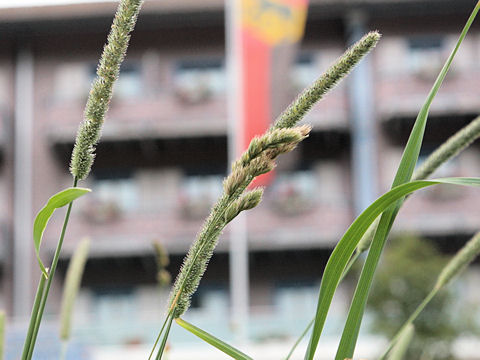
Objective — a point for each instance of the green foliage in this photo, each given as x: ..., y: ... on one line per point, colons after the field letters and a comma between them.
x: 406, y: 275
x: 404, y: 173
x: 71, y: 287
x: 56, y: 201
x: 212, y: 340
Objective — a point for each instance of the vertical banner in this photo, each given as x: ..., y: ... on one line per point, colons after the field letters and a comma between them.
x: 259, y: 36
x: 269, y: 30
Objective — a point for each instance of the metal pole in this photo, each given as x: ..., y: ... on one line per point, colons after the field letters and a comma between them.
x: 22, y: 194
x: 239, y: 284
x: 362, y: 119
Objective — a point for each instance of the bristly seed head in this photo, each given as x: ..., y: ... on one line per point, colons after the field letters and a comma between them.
x: 101, y: 92
x: 460, y: 261
x: 302, y: 104
x: 247, y: 201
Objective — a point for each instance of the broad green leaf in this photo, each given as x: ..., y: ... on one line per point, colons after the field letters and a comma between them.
x: 56, y: 201
x: 343, y: 251
x: 212, y: 340
x: 404, y: 173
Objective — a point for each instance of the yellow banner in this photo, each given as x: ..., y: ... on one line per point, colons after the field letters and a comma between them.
x: 275, y: 21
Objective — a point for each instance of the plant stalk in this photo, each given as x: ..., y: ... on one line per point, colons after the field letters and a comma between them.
x: 33, y: 317
x: 41, y: 306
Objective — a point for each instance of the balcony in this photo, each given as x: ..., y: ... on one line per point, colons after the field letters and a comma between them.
x: 407, y: 68
x: 125, y: 215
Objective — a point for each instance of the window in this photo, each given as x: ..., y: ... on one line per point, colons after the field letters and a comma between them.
x: 199, y: 80
x: 129, y: 83
x: 425, y: 55
x: 199, y: 194
x: 71, y: 81
x: 303, y: 72
x: 293, y: 192
x: 114, y: 194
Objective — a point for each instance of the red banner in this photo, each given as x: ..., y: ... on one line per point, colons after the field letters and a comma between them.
x: 266, y: 25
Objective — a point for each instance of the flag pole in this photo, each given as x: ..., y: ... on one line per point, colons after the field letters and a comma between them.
x: 238, y: 249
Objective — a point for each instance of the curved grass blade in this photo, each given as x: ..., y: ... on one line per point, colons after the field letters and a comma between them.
x: 212, y: 340
x: 343, y: 251
x: 56, y: 201
x: 404, y: 173
x: 352, y: 260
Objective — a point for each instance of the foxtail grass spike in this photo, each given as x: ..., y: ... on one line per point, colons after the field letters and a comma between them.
x: 101, y: 92
x: 258, y: 159
x: 161, y: 257
x: 460, y: 261
x: 161, y: 254
x: 273, y: 140
x: 246, y: 202
x: 72, y: 284
x: 302, y: 104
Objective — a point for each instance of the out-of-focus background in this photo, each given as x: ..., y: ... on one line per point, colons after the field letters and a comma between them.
x: 164, y: 153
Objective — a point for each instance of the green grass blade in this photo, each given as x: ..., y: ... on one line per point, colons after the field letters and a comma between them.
x: 56, y: 201
x: 2, y: 334
x: 352, y: 260
x: 412, y: 149
x: 72, y: 284
x: 404, y: 173
x: 343, y: 251
x: 212, y: 340
x: 400, y: 349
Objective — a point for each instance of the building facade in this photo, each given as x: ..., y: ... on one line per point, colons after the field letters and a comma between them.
x: 163, y: 153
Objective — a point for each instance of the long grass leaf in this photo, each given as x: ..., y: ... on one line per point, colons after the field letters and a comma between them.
x: 400, y: 349
x: 212, y: 340
x: 2, y: 334
x: 404, y: 174
x: 344, y: 249
x: 56, y: 201
x: 72, y: 284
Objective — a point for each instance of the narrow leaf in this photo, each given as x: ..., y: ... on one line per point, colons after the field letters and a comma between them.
x: 2, y: 334
x: 72, y: 284
x: 400, y: 349
x: 343, y: 251
x: 404, y: 173
x: 56, y: 201
x: 212, y: 340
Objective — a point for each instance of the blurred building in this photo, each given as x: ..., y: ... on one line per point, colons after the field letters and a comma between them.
x: 163, y: 153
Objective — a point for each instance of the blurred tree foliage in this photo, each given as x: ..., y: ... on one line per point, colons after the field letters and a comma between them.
x: 405, y: 277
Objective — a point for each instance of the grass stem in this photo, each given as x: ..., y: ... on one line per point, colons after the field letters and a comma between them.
x: 170, y: 314
x: 164, y: 339
x: 33, y: 317
x: 36, y: 320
